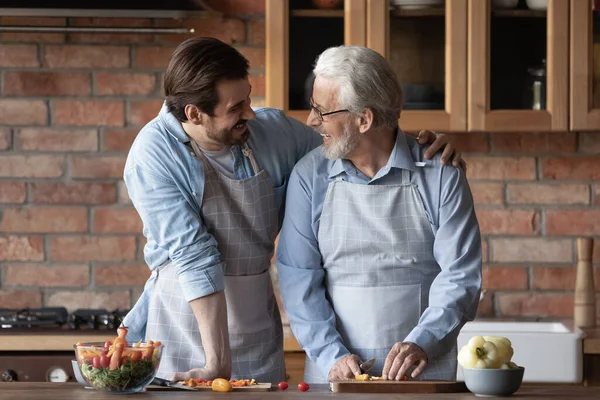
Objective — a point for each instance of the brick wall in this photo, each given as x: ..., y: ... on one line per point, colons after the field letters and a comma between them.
x: 535, y: 193
x: 71, y: 105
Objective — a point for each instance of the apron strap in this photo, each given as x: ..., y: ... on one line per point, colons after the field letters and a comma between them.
x: 405, y: 176
x: 248, y: 153
x: 201, y: 155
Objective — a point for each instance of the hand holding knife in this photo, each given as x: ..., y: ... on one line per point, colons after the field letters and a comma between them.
x: 366, y: 366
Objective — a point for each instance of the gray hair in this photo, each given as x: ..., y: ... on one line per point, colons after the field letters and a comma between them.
x: 365, y: 79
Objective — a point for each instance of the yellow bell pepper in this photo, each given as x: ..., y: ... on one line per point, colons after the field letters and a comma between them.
x: 504, y: 346
x: 479, y: 353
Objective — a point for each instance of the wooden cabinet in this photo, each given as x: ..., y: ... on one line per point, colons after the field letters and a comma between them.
x: 294, y: 366
x: 427, y: 47
x: 464, y: 65
x: 297, y: 32
x: 585, y: 66
x: 518, y: 67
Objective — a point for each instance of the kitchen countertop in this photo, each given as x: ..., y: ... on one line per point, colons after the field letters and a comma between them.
x: 74, y: 391
x: 64, y: 340
x: 591, y: 341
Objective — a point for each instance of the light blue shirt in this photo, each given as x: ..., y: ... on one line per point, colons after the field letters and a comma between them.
x: 448, y: 202
x: 165, y: 182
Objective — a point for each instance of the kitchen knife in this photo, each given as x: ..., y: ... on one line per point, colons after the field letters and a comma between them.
x: 164, y: 382
x: 367, y: 365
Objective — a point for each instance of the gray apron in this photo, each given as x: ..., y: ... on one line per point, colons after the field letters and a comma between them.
x: 243, y: 217
x: 377, y: 249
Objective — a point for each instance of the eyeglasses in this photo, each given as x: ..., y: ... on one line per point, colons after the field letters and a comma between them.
x: 320, y: 115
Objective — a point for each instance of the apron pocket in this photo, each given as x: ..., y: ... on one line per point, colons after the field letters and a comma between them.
x: 375, y: 317
x: 249, y: 302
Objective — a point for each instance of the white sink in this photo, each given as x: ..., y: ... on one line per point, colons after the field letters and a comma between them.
x: 549, y: 351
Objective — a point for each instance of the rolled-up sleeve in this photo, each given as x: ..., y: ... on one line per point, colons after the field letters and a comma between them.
x: 173, y: 224
x: 454, y: 294
x: 301, y: 281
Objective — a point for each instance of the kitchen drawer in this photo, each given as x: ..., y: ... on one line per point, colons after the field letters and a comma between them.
x: 294, y: 364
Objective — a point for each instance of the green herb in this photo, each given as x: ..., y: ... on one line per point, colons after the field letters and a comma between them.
x: 127, y: 376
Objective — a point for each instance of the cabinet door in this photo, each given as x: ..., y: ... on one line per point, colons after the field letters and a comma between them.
x: 518, y: 67
x: 297, y: 32
x: 427, y: 47
x: 585, y: 65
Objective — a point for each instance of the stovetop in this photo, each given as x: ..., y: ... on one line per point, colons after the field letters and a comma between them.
x: 59, y: 319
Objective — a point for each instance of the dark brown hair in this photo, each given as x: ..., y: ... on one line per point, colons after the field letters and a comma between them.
x: 195, y: 68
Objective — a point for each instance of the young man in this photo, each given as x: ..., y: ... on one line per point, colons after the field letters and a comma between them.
x: 379, y: 256
x: 208, y: 178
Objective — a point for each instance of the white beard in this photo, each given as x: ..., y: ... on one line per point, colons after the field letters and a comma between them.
x: 341, y: 147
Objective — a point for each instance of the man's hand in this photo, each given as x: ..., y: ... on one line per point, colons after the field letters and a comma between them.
x: 206, y: 373
x: 401, y: 357
x: 439, y: 141
x: 345, y: 367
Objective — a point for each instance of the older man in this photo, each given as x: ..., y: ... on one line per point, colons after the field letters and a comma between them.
x: 380, y: 252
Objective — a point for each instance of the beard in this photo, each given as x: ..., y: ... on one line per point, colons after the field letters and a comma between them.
x: 340, y: 147
x: 230, y: 136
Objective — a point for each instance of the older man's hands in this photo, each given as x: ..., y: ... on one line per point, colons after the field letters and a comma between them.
x: 438, y: 141
x: 401, y: 357
x: 345, y: 367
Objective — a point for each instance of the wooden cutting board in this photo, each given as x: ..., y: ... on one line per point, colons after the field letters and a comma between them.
x: 352, y: 386
x: 259, y: 387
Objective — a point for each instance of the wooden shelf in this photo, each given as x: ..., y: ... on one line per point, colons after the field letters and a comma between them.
x: 318, y: 13
x: 418, y: 12
x: 440, y: 12
x: 519, y: 13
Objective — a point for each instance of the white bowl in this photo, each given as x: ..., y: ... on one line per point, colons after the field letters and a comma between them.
x: 537, y: 4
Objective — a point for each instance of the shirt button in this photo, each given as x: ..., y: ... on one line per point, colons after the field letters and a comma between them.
x: 192, y: 153
x: 194, y: 193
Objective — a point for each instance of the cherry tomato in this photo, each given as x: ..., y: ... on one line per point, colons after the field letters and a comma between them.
x: 107, y: 344
x: 303, y: 386
x: 96, y: 362
x: 283, y: 385
x: 104, y: 362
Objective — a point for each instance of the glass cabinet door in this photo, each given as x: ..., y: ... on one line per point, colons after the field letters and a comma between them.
x: 426, y: 42
x: 585, y: 65
x: 297, y: 32
x: 518, y: 65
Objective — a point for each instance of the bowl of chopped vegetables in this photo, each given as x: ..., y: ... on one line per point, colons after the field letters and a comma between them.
x: 118, y: 366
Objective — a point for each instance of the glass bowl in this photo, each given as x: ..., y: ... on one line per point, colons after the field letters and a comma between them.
x: 126, y: 368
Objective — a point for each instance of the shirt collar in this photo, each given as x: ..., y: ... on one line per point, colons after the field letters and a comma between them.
x: 400, y: 158
x: 172, y: 124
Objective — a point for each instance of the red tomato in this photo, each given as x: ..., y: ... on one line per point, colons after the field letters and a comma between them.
x: 200, y: 380
x: 96, y: 362
x: 107, y: 344
x: 104, y: 362
x: 283, y: 385
x: 303, y: 386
